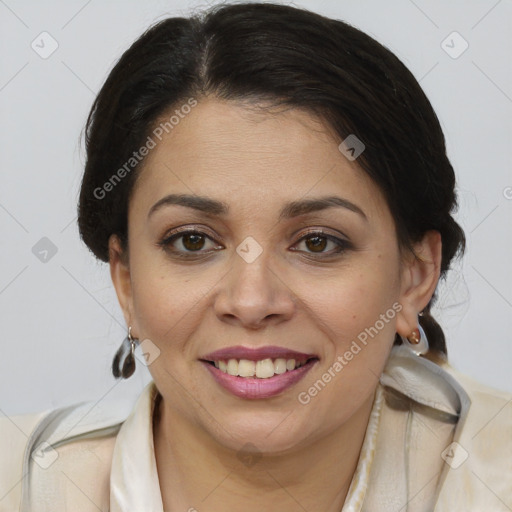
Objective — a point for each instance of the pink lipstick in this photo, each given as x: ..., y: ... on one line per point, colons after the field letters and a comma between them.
x: 257, y: 373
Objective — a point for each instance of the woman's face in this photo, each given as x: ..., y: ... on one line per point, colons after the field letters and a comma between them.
x: 266, y: 266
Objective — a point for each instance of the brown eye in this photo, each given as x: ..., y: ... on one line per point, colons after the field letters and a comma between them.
x: 186, y: 242
x: 193, y: 241
x: 317, y: 242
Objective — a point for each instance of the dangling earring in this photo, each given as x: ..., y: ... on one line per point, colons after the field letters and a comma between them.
x: 417, y: 341
x: 126, y: 352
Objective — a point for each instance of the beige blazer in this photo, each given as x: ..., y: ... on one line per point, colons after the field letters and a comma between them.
x: 436, y: 440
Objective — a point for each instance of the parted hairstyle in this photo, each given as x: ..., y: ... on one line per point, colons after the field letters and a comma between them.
x: 286, y: 57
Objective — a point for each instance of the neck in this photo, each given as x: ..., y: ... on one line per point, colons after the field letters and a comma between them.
x: 196, y: 472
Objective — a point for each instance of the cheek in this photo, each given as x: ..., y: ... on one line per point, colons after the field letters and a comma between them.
x: 360, y: 315
x: 363, y: 311
x: 355, y: 303
x: 166, y: 303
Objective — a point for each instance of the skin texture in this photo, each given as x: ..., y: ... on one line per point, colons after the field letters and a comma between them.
x: 256, y: 161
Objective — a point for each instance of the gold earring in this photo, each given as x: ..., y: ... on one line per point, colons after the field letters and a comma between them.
x: 414, y: 337
x: 417, y: 341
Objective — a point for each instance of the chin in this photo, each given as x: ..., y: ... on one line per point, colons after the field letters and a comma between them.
x: 270, y: 434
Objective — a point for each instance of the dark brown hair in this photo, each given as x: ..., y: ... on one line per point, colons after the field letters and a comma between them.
x: 288, y: 57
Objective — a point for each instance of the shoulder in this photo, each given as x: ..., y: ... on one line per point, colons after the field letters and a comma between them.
x: 14, y: 434
x: 487, y: 402
x: 476, y: 471
x: 480, y: 471
x: 43, y: 450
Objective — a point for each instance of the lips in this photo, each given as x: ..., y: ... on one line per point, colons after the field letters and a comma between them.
x: 256, y: 373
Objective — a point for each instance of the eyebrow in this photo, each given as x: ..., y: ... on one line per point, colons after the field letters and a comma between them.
x: 213, y: 207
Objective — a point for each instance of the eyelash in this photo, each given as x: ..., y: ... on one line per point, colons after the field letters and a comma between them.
x: 165, y: 243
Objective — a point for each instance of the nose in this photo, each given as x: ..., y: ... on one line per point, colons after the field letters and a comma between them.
x: 253, y: 295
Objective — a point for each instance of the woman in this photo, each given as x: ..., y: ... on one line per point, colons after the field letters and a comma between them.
x: 272, y: 193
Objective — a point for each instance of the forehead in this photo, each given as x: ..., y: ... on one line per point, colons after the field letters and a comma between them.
x: 242, y: 154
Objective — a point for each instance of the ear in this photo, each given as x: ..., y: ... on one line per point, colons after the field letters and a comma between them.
x: 419, y: 278
x: 121, y: 278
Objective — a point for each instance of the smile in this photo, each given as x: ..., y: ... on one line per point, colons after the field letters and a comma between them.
x: 257, y: 373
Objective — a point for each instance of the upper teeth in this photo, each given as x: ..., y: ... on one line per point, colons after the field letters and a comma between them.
x: 261, y: 369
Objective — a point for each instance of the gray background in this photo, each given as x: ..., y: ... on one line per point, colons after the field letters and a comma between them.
x: 60, y: 321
